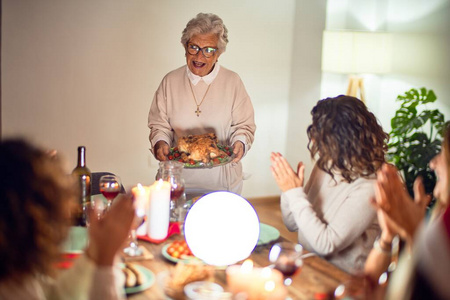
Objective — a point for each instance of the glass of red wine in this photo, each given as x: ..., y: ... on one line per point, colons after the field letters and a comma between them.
x: 286, y: 257
x: 110, y: 187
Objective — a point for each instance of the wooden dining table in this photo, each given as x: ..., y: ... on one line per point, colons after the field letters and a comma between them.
x: 317, y: 279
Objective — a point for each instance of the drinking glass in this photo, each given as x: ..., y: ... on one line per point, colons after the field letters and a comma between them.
x: 97, y: 205
x: 110, y: 187
x: 286, y: 257
x: 133, y: 248
x: 171, y: 171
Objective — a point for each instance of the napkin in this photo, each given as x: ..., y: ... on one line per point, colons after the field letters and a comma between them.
x: 146, y: 255
x: 66, y: 260
x: 174, y: 228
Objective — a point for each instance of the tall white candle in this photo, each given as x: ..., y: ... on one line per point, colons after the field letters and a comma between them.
x: 159, y: 210
x: 141, y: 198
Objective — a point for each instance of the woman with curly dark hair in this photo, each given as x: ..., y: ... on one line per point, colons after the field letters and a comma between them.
x: 332, y: 213
x: 36, y: 197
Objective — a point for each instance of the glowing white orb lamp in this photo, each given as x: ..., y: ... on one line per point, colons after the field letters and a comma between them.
x: 221, y: 228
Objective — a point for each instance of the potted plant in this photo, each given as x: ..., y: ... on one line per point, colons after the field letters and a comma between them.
x: 416, y: 137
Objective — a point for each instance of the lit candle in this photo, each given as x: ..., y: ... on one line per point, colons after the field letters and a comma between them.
x: 158, y: 210
x: 256, y: 283
x: 239, y: 277
x: 272, y: 287
x: 141, y: 199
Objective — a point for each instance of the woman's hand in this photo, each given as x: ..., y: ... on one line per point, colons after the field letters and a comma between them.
x: 161, y: 150
x: 401, y: 213
x: 108, y: 234
x: 284, y: 175
x: 388, y: 228
x: 238, y: 150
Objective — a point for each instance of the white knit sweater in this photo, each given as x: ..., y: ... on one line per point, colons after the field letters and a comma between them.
x: 333, y: 218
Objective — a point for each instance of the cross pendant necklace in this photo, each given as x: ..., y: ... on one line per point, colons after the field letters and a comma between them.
x: 198, y: 111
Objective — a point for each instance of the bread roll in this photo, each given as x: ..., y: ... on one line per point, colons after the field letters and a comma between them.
x: 139, y: 276
x: 130, y: 278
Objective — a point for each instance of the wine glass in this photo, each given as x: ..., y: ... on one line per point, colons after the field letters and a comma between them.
x: 110, y: 187
x: 286, y: 257
x: 139, y: 218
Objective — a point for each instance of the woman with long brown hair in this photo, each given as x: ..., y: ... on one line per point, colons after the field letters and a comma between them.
x: 36, y: 196
x: 332, y: 212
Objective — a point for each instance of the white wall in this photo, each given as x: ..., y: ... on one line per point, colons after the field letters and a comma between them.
x: 305, y: 78
x: 421, y: 47
x: 84, y: 73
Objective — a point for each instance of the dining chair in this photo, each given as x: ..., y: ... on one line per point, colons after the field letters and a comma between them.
x: 95, y: 179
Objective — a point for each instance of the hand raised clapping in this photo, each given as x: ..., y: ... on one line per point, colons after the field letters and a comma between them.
x: 284, y: 175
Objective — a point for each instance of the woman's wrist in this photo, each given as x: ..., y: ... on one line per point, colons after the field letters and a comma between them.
x: 382, y: 246
x: 385, y: 244
x: 100, y: 259
x: 386, y: 240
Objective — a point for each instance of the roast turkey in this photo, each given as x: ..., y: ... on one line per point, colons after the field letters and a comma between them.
x: 201, y: 147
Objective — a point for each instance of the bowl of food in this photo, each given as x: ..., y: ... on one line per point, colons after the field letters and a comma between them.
x: 203, y: 290
x: 184, y: 273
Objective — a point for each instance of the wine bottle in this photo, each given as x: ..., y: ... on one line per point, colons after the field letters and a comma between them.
x: 83, y: 175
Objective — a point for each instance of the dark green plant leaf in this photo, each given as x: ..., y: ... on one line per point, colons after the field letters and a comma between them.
x: 401, y: 123
x: 410, y: 147
x: 429, y: 96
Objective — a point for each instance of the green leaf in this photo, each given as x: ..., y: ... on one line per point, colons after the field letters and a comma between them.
x: 410, y: 147
x: 435, y: 116
x: 430, y: 96
x: 405, y: 121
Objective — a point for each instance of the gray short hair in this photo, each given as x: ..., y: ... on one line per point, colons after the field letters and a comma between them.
x: 204, y: 24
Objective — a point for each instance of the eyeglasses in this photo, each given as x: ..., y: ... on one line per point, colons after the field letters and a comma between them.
x: 207, y: 51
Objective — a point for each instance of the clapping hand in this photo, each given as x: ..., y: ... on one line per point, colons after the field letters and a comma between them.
x: 107, y: 235
x: 401, y: 213
x: 284, y: 175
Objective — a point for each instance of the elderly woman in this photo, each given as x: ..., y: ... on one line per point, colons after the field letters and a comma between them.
x: 36, y: 196
x: 332, y: 213
x: 203, y: 97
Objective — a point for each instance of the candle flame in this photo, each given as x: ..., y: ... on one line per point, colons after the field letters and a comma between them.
x: 266, y: 272
x: 269, y: 286
x: 160, y: 183
x: 140, y: 187
x: 247, y: 266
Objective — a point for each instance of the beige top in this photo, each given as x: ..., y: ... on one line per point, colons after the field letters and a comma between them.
x: 333, y: 218
x: 226, y: 110
x: 84, y: 280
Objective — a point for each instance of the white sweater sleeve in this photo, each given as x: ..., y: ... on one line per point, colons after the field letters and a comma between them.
x: 158, y: 119
x: 84, y: 280
x: 342, y: 225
